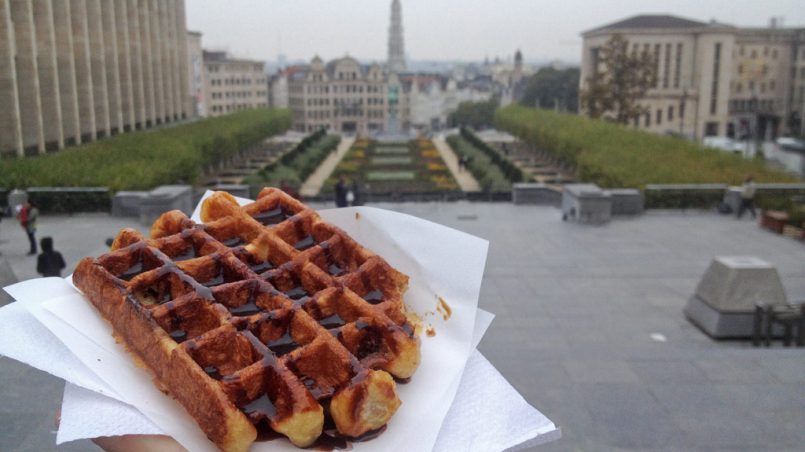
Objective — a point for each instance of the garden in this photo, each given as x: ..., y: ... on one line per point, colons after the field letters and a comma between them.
x: 146, y: 159
x: 296, y: 165
x: 492, y: 171
x: 394, y: 167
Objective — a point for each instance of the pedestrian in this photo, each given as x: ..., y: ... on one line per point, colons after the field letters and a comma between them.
x: 340, y: 192
x: 462, y: 163
x: 356, y: 194
x: 747, y: 197
x: 27, y: 216
x: 50, y: 262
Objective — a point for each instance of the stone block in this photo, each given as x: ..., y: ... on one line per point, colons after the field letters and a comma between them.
x: 586, y: 204
x: 626, y: 201
x: 128, y: 203
x: 238, y: 190
x: 541, y: 194
x: 724, y: 302
x: 165, y: 198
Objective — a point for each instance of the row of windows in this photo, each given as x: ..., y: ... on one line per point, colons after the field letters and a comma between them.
x: 669, y: 115
x: 324, y: 89
x: 238, y: 94
x: 214, y: 68
x: 753, y: 53
x: 237, y: 81
x: 750, y: 86
x: 230, y: 108
x: 663, y: 54
x: 751, y: 105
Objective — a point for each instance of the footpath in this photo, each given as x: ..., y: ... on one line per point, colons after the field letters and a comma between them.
x: 314, y: 182
x: 464, y: 178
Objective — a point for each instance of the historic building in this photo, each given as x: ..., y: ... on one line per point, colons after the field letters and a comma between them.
x: 73, y: 71
x: 712, y: 79
x: 232, y: 84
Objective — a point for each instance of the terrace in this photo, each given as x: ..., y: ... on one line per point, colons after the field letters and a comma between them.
x: 589, y: 329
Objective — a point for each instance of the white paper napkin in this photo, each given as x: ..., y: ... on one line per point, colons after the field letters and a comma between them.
x: 443, y: 263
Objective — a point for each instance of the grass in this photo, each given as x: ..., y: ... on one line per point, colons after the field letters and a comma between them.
x: 612, y: 155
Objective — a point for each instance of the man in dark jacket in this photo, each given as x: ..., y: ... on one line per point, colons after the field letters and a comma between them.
x: 341, y: 193
x: 50, y: 262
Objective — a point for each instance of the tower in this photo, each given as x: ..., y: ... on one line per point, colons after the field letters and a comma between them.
x: 396, y: 56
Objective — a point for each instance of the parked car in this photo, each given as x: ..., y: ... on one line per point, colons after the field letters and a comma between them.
x: 724, y: 144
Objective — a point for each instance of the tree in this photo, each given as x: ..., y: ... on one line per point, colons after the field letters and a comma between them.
x: 550, y: 88
x: 615, y: 92
x: 474, y: 114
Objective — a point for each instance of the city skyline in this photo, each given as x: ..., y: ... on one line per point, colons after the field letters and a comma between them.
x: 477, y: 29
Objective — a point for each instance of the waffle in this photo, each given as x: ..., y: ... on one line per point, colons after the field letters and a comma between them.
x: 263, y: 319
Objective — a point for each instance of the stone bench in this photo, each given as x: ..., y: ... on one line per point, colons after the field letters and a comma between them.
x: 530, y: 193
x: 626, y: 201
x: 127, y: 203
x: 774, y: 220
x: 586, y: 204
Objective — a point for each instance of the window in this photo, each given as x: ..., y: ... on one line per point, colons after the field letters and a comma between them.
x: 716, y: 73
x: 772, y: 85
x: 659, y: 116
x: 671, y: 113
x: 666, y: 66
x: 657, y: 49
x: 648, y: 119
x: 754, y: 54
x: 738, y: 87
x: 678, y: 65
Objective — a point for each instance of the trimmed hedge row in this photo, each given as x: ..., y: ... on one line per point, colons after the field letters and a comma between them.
x: 612, y: 155
x: 296, y: 165
x: 489, y: 176
x: 145, y: 159
x: 509, y: 169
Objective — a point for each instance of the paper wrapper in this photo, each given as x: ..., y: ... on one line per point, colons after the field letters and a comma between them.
x: 108, y: 395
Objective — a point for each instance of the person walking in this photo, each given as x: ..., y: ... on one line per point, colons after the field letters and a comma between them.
x: 28, y: 215
x: 341, y: 192
x: 50, y: 262
x: 747, y: 197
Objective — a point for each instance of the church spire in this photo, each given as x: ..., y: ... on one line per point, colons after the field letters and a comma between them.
x: 396, y: 56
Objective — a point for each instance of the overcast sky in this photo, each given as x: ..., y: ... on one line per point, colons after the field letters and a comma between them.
x: 444, y: 29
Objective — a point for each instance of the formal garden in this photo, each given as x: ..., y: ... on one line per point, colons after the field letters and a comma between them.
x: 493, y: 171
x: 296, y: 165
x: 395, y: 167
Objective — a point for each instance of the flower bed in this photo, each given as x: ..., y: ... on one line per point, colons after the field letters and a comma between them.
x: 398, y: 167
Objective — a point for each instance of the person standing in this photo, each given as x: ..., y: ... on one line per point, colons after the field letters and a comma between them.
x: 341, y: 192
x: 50, y: 262
x: 747, y: 197
x: 28, y: 215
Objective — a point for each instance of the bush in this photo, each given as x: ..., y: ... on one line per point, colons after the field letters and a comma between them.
x: 612, y: 155
x: 509, y: 169
x: 145, y: 159
x: 296, y: 165
x: 488, y: 175
x: 69, y: 200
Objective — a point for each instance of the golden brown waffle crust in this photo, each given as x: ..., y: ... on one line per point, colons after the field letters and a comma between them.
x: 265, y: 316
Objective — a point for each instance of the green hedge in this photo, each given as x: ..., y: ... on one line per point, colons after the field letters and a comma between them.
x: 612, y: 155
x: 145, y: 159
x: 509, y: 169
x: 489, y: 176
x: 296, y: 165
x: 69, y: 200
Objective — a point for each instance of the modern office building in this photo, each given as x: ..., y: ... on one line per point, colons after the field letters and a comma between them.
x: 73, y: 71
x: 712, y: 79
x: 232, y: 84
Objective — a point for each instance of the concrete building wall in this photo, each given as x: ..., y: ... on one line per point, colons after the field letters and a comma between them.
x: 231, y: 85
x: 752, y: 82
x: 195, y: 74
x: 74, y: 70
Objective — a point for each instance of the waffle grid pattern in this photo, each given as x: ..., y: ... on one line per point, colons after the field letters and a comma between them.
x: 270, y: 312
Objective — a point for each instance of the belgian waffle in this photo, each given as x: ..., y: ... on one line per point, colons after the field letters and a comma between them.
x: 264, y: 317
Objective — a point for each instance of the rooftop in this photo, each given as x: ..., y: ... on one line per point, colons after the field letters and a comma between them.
x: 648, y: 21
x: 589, y: 328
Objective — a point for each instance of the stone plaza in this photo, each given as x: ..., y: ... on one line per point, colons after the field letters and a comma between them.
x: 590, y: 328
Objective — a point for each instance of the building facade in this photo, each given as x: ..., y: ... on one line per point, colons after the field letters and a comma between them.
x: 73, y: 71
x: 195, y: 64
x: 233, y: 84
x: 712, y: 79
